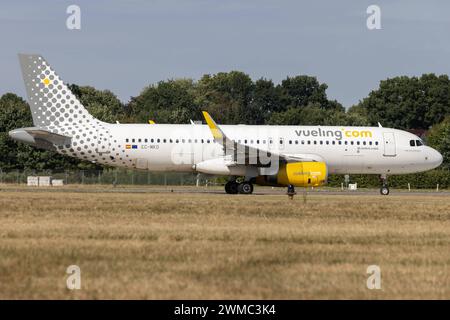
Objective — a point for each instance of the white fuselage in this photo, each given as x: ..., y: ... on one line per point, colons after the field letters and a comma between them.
x: 345, y: 150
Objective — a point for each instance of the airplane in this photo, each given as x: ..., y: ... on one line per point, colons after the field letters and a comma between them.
x: 280, y: 156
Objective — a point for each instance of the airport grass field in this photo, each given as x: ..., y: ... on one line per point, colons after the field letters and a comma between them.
x: 158, y: 244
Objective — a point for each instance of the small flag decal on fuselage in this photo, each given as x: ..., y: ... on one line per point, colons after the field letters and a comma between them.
x: 131, y: 146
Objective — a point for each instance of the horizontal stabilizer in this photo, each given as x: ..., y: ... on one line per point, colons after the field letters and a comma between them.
x: 49, y: 136
x: 33, y: 135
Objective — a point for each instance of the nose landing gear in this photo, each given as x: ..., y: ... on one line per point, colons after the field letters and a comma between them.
x: 384, y: 190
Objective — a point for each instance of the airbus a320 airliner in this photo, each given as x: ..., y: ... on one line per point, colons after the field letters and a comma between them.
x: 283, y: 156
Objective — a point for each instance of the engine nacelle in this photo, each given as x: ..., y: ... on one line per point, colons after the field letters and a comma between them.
x: 299, y: 174
x: 219, y: 166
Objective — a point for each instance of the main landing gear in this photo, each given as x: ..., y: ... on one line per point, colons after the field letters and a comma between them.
x: 233, y: 187
x: 384, y: 190
x: 291, y: 191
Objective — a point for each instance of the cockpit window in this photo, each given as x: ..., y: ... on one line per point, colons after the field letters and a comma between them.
x: 411, y: 143
x: 419, y: 143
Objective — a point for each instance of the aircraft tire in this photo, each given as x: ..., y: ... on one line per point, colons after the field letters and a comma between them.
x: 245, y: 188
x: 231, y: 187
x: 384, y: 190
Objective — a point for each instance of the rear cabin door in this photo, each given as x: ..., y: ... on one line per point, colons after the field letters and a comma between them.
x: 102, y: 140
x: 389, y: 144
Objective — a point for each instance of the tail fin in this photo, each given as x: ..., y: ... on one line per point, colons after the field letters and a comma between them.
x: 53, y: 105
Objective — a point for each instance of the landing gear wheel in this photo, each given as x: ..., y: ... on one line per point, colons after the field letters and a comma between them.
x: 231, y: 187
x: 245, y: 188
x: 384, y: 190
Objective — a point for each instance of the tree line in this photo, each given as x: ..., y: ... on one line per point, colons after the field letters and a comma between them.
x: 234, y: 98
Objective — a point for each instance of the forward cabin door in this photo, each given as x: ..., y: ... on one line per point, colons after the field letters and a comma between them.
x: 389, y: 144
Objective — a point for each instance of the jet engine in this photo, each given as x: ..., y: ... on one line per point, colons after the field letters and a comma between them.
x: 298, y: 174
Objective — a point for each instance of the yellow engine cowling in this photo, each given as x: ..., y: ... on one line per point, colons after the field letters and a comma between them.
x: 299, y: 174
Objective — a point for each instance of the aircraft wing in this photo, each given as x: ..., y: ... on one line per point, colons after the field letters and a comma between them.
x: 248, y: 154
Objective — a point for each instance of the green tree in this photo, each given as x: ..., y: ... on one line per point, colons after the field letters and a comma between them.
x: 303, y: 90
x: 102, y: 104
x: 409, y: 102
x: 312, y: 114
x: 170, y: 101
x: 226, y: 96
x: 14, y: 114
x: 265, y: 100
x: 439, y: 138
x: 357, y: 116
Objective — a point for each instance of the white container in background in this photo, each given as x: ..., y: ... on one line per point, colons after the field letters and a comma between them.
x: 32, y: 181
x: 57, y: 182
x: 45, y: 181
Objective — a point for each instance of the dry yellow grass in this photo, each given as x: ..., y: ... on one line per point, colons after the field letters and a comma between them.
x: 217, y: 246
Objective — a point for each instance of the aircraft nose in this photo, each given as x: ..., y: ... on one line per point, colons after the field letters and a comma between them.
x: 435, y: 158
x: 439, y: 158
